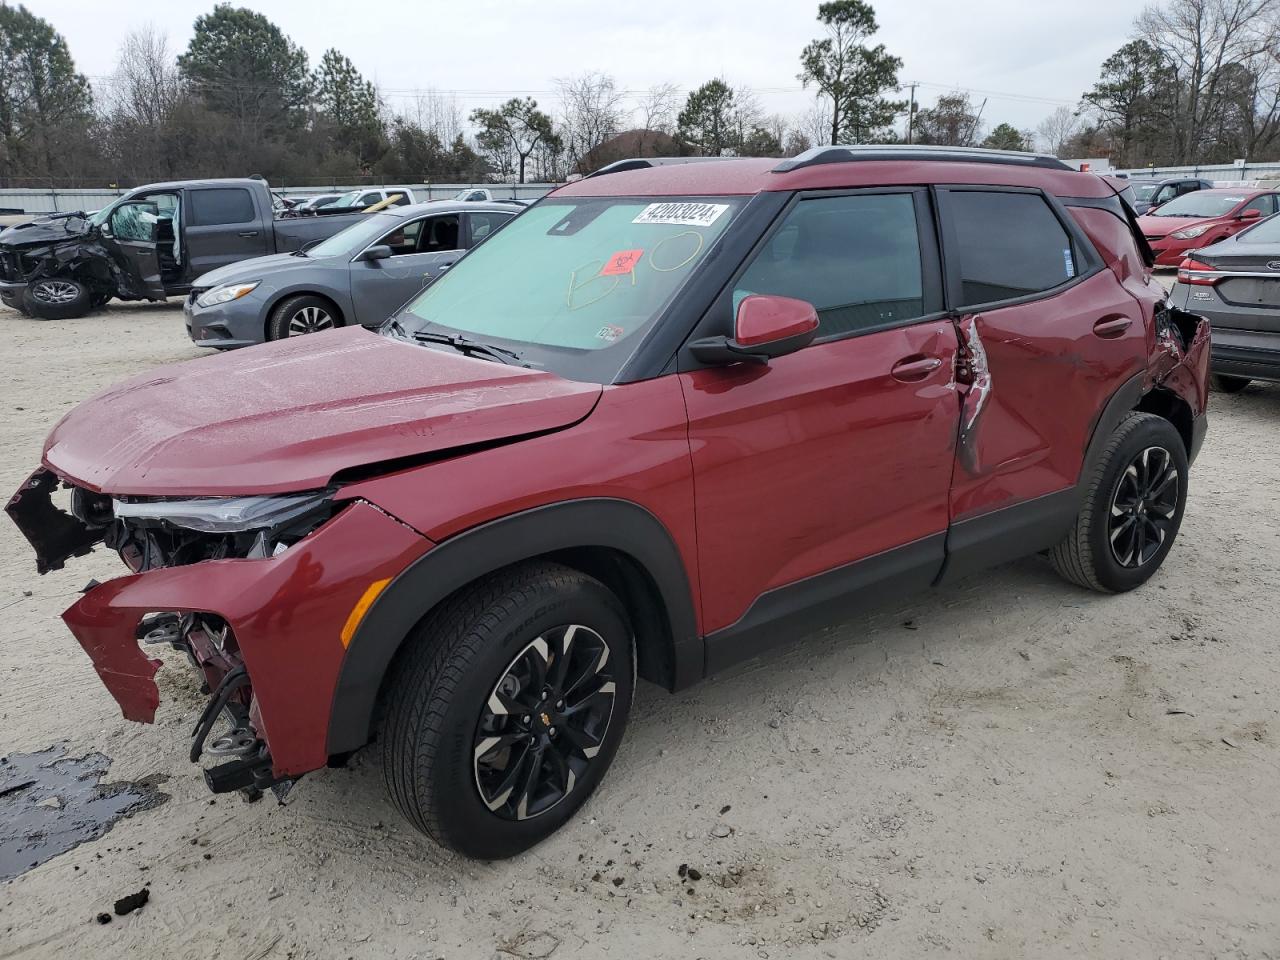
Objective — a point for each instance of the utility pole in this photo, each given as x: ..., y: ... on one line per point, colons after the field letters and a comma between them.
x: 911, y: 112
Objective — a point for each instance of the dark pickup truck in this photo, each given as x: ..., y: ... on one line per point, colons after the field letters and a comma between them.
x: 148, y: 245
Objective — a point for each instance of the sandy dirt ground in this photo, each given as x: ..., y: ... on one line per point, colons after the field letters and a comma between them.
x: 1007, y: 768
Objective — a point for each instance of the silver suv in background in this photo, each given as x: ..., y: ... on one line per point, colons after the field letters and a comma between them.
x: 358, y: 276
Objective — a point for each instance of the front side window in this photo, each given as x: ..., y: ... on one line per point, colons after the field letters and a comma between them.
x: 1008, y: 245
x: 855, y: 258
x: 369, y: 199
x: 1266, y: 203
x: 222, y: 205
x: 403, y: 239
x: 574, y: 284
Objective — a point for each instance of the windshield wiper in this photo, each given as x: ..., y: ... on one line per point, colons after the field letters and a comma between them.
x: 463, y: 345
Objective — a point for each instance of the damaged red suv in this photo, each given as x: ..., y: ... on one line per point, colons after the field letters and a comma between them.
x: 673, y: 415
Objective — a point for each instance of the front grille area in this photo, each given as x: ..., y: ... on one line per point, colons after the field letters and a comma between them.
x: 10, y: 267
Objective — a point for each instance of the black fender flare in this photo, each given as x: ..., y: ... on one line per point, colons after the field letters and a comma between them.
x: 619, y: 525
x: 1121, y: 403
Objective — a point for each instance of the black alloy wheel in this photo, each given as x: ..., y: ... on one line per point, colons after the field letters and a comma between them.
x: 544, y: 722
x: 1144, y: 507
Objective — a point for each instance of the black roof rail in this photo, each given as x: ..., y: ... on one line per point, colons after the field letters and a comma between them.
x: 821, y: 155
x: 640, y: 163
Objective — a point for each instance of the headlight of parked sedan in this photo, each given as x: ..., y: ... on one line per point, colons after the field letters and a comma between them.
x: 165, y: 533
x: 1191, y: 232
x: 225, y: 294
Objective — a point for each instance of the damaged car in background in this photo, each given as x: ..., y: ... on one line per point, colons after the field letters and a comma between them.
x: 669, y: 417
x: 150, y: 244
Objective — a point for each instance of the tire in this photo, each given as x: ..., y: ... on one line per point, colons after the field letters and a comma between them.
x: 14, y: 302
x: 444, y: 735
x: 1086, y: 556
x: 300, y: 315
x: 57, y: 298
x: 1227, y: 384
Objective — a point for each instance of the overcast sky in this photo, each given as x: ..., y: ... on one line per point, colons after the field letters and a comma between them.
x: 1027, y: 57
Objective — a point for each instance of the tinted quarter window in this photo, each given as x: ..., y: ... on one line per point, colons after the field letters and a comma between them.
x: 1008, y: 245
x: 856, y: 259
x: 222, y: 205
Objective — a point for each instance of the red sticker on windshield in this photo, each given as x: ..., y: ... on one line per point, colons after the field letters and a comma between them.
x: 622, y: 262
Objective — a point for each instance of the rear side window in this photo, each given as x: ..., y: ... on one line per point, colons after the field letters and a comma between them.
x: 483, y: 224
x: 855, y: 258
x: 221, y: 205
x: 1008, y: 245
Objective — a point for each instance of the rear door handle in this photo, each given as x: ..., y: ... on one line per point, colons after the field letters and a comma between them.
x: 914, y: 368
x: 1108, y: 328
x: 249, y: 233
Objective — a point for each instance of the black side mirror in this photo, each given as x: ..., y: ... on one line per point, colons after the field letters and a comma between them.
x: 380, y: 252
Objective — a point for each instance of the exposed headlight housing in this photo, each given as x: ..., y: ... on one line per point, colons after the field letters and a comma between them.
x: 1190, y: 233
x: 162, y: 533
x: 226, y: 293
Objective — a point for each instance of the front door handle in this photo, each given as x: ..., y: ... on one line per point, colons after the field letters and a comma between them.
x: 914, y: 368
x: 1109, y: 328
x: 249, y: 233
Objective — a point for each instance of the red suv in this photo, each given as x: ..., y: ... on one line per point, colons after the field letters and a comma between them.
x: 1198, y: 219
x: 671, y: 416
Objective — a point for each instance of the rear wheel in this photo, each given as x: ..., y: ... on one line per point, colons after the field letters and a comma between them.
x: 1133, y: 510
x: 301, y: 315
x: 1226, y: 384
x: 506, y: 708
x: 57, y: 298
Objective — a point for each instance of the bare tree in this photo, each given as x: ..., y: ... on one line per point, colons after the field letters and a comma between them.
x: 435, y: 112
x: 1199, y: 40
x: 658, y: 108
x: 1058, y: 129
x: 145, y: 85
x: 590, y: 113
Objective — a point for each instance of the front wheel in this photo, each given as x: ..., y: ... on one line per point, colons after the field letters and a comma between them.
x: 506, y: 707
x: 1133, y: 509
x: 57, y: 298
x: 301, y: 315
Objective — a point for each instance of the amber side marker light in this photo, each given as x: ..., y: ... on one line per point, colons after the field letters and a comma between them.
x: 1192, y: 271
x: 360, y: 609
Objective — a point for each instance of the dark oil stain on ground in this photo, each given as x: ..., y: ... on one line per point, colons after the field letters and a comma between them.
x: 50, y: 802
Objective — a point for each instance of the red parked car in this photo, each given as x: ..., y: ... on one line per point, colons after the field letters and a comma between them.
x: 671, y: 416
x: 1198, y: 219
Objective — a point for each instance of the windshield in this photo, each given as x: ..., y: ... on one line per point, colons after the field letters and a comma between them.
x: 1267, y: 231
x: 573, y: 285
x: 355, y: 237
x: 348, y: 199
x: 1145, y: 191
x: 1202, y: 203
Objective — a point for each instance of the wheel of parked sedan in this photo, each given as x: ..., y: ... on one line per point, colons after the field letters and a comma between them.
x: 301, y: 315
x: 1225, y: 384
x: 1133, y: 510
x: 505, y: 709
x: 57, y: 298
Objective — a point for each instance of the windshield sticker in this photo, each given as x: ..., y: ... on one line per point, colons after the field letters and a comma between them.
x: 682, y: 214
x: 609, y: 333
x: 622, y: 262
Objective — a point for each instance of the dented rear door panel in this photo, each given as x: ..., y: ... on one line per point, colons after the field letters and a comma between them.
x: 1039, y: 374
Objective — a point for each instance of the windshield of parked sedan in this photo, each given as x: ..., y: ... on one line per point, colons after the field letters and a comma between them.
x: 574, y: 284
x: 356, y: 237
x: 1200, y: 204
x: 1145, y: 191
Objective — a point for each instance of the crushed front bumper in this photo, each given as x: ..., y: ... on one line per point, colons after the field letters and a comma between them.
x: 286, y: 614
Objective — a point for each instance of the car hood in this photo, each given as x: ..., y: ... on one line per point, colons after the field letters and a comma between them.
x: 259, y: 268
x: 290, y: 415
x: 44, y: 231
x: 1154, y: 226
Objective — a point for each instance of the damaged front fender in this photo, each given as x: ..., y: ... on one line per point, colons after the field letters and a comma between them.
x: 285, y: 613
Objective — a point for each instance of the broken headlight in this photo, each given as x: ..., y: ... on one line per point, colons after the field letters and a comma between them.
x: 168, y: 533
x: 226, y: 293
